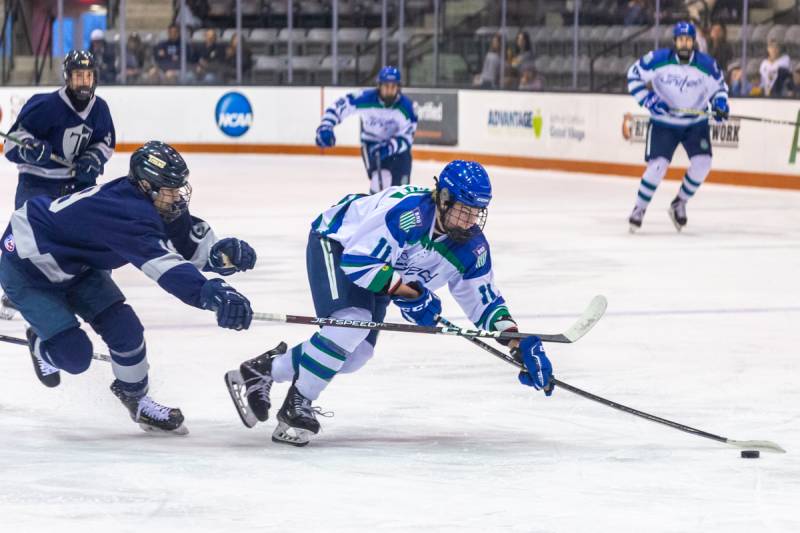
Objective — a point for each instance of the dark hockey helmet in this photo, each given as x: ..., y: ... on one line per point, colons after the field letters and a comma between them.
x: 463, y: 193
x: 80, y: 60
x: 160, y: 171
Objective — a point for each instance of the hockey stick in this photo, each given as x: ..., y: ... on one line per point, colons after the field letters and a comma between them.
x: 748, y: 444
x: 594, y: 311
x: 740, y: 117
x: 23, y: 342
x: 53, y: 157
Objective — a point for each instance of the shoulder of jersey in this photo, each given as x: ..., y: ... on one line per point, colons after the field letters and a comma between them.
x: 407, y: 107
x: 706, y: 63
x: 412, y: 217
x: 656, y: 58
x: 474, y: 256
x: 365, y: 98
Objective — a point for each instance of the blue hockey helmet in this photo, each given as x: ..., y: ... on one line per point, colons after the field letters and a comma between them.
x: 463, y: 193
x: 684, y: 28
x: 80, y: 60
x: 156, y: 166
x: 389, y: 74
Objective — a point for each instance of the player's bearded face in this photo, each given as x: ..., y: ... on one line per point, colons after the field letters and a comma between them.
x: 684, y: 45
x: 388, y: 92
x: 81, y: 83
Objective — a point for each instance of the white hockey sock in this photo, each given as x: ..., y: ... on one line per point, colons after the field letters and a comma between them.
x: 131, y: 366
x: 653, y: 174
x: 699, y: 167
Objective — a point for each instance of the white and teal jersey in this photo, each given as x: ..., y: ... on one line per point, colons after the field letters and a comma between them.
x: 388, y: 238
x: 689, y: 85
x: 395, y: 123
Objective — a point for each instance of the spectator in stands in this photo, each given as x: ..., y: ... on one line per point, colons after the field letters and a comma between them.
x: 195, y: 12
x: 785, y: 86
x: 636, y: 13
x: 134, y: 58
x: 229, y: 60
x: 738, y: 83
x: 718, y: 46
x: 791, y: 89
x: 103, y: 56
x: 700, y: 43
x: 530, y: 79
x: 167, y: 56
x: 490, y: 75
x: 209, y: 55
x: 771, y: 66
x: 523, y: 52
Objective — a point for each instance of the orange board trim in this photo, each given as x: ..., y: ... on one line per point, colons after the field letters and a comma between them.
x: 730, y: 177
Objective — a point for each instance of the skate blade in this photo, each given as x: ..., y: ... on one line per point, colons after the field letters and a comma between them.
x: 179, y: 431
x: 632, y: 228
x: 235, y: 384
x: 286, y: 434
x: 674, y: 220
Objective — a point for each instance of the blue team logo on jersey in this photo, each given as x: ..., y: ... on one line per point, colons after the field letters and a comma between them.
x: 234, y: 114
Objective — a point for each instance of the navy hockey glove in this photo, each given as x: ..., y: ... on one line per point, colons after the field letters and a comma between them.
x: 35, y: 152
x: 325, y: 137
x: 655, y: 104
x: 380, y: 151
x: 87, y: 167
x: 719, y: 106
x: 232, y: 308
x: 538, y: 371
x: 424, y: 310
x: 231, y: 255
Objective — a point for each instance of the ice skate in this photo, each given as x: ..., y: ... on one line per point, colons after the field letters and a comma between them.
x: 49, y: 375
x: 677, y: 213
x: 150, y: 415
x: 297, y: 420
x: 635, y: 220
x: 250, y: 385
x: 7, y: 309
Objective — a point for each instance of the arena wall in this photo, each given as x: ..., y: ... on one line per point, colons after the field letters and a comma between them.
x: 573, y: 132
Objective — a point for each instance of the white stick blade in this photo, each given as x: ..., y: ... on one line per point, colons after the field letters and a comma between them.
x: 593, y: 313
x: 756, y: 445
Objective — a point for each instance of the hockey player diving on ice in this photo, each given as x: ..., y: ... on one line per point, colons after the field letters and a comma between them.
x: 399, y: 245
x: 388, y: 124
x: 56, y: 261
x: 676, y: 85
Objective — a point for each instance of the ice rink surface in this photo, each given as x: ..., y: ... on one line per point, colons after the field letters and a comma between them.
x: 435, y: 434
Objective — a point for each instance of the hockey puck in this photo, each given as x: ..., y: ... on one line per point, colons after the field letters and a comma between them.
x: 750, y: 454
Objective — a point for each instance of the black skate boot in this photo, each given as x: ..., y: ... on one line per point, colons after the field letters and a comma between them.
x: 49, y: 375
x: 677, y: 212
x: 150, y: 416
x: 251, y: 384
x: 7, y: 308
x: 297, y: 420
x: 635, y: 220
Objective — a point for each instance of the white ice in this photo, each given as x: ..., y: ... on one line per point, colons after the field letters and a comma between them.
x: 435, y: 434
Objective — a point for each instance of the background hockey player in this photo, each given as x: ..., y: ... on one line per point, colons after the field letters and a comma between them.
x: 388, y: 124
x: 54, y: 263
x: 676, y: 85
x: 71, y: 123
x: 398, y: 245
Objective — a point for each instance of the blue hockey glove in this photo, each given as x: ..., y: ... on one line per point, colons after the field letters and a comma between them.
x: 232, y: 308
x: 87, y: 167
x: 655, y: 104
x: 325, y: 137
x: 231, y: 255
x: 380, y: 151
x: 424, y: 310
x: 35, y: 152
x: 538, y: 371
x: 719, y: 106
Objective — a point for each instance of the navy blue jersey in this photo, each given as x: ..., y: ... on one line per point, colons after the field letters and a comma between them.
x: 103, y: 227
x: 51, y: 117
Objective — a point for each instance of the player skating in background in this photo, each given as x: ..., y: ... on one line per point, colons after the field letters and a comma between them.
x: 388, y: 124
x: 676, y: 85
x: 398, y: 245
x: 55, y: 257
x: 71, y: 123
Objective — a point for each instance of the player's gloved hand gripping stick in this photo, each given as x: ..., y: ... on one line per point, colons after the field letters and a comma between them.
x: 53, y: 157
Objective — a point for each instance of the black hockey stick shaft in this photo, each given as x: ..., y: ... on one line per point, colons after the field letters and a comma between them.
x: 23, y: 342
x: 618, y: 406
x: 53, y: 157
x: 739, y: 117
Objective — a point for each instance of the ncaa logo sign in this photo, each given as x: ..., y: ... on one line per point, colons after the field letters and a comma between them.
x: 234, y: 114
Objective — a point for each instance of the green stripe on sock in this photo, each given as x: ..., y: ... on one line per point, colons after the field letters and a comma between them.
x: 690, y: 180
x: 316, y: 368
x: 645, y: 197
x: 648, y: 185
x: 318, y: 343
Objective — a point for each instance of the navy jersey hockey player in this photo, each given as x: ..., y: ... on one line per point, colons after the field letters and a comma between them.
x: 55, y: 265
x: 388, y: 124
x: 399, y: 245
x: 72, y: 123
x: 676, y: 85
